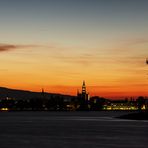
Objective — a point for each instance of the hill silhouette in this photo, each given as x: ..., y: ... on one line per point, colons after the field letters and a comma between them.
x: 25, y: 94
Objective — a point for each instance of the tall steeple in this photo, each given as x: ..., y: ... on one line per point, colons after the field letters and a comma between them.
x: 42, y: 92
x: 83, y: 98
x: 83, y: 88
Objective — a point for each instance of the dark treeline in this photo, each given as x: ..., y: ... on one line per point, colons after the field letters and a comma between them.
x: 65, y: 103
x: 54, y: 103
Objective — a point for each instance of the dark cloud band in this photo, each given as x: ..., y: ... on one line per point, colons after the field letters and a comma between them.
x: 6, y: 47
x: 9, y: 47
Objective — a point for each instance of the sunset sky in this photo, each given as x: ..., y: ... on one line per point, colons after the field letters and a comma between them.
x: 56, y: 44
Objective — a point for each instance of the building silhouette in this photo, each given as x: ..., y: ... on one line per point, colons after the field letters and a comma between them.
x: 83, y: 98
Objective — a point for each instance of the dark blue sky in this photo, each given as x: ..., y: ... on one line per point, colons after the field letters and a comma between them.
x: 72, y: 16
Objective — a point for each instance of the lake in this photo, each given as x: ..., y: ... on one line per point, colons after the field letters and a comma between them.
x: 71, y: 130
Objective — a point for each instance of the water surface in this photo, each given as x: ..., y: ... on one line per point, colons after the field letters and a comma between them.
x: 71, y: 130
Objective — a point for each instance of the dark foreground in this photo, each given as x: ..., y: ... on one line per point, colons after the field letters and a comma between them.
x: 135, y: 116
x: 71, y: 130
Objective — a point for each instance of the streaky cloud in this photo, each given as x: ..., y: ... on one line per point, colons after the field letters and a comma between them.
x: 9, y: 47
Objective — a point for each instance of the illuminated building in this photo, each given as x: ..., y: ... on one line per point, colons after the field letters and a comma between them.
x: 121, y: 105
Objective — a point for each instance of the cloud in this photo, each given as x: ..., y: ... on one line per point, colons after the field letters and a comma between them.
x: 9, y: 47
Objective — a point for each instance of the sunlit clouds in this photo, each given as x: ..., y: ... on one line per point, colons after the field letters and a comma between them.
x: 5, y: 47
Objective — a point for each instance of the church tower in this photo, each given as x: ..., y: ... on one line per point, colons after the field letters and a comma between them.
x: 83, y: 88
x: 44, y: 100
x: 83, y: 98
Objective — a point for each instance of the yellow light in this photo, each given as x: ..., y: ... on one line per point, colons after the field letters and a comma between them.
x: 109, y: 108
x: 143, y: 107
x: 4, y: 109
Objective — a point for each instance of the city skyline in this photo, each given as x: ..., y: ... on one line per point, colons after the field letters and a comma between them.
x: 55, y: 45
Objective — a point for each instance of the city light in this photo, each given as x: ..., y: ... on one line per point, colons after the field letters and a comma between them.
x: 4, y: 109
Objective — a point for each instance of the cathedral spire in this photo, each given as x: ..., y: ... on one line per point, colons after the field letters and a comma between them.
x: 43, y: 93
x: 83, y: 83
x: 83, y: 88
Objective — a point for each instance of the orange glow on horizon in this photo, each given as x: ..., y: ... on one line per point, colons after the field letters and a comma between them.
x: 109, y: 73
x: 102, y: 91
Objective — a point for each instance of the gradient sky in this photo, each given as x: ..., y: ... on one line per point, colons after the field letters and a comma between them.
x: 56, y: 44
